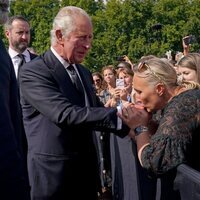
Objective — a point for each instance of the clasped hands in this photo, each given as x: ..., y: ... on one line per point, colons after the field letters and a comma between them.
x: 134, y: 115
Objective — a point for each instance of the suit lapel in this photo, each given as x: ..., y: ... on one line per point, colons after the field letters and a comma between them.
x: 86, y: 79
x: 32, y: 56
x: 61, y: 76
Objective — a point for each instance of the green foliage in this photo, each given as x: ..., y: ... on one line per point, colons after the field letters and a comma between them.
x: 120, y: 26
x: 90, y: 6
x: 40, y: 14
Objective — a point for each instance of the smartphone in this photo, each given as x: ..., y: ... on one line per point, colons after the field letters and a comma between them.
x: 120, y: 83
x: 120, y: 58
x: 189, y: 39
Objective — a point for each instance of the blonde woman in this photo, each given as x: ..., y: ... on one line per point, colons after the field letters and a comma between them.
x: 189, y: 67
x: 176, y: 140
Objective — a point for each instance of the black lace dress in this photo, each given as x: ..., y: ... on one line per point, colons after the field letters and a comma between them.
x: 176, y: 141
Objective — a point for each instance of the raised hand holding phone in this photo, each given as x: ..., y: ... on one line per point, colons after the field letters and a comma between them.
x: 120, y: 83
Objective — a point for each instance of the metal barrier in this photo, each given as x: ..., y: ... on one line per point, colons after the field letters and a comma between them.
x: 188, y: 182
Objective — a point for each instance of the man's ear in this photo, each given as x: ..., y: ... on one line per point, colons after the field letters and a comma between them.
x: 7, y: 34
x: 160, y: 88
x: 59, y: 36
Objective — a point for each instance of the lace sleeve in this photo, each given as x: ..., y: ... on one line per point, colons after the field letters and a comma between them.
x: 172, y: 141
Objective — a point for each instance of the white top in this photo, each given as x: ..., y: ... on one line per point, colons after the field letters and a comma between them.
x: 16, y: 60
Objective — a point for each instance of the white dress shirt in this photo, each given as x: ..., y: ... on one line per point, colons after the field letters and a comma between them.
x: 66, y: 64
x: 16, y: 60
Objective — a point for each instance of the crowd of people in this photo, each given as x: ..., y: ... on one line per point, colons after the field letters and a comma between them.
x: 67, y: 133
x: 185, y: 70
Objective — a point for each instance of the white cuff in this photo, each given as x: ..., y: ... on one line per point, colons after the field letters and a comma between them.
x: 119, y: 121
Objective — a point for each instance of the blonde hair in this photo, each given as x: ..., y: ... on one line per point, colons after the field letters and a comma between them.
x: 125, y: 70
x: 191, y: 61
x: 160, y: 70
x: 110, y: 67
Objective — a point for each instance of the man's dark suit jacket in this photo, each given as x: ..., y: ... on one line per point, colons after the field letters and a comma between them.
x: 32, y: 55
x: 24, y: 140
x: 59, y: 129
x: 13, y: 179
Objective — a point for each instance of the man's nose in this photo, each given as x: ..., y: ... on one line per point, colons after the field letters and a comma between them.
x: 25, y: 35
x: 88, y: 45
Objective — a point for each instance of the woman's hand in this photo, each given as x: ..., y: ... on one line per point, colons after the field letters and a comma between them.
x: 134, y: 116
x: 123, y: 94
x: 116, y: 93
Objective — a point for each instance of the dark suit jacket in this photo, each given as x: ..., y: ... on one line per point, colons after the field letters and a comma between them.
x: 13, y: 179
x: 32, y: 55
x: 59, y: 129
x: 24, y: 140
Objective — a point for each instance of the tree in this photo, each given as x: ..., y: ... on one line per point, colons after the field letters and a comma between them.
x: 40, y: 14
x: 120, y: 26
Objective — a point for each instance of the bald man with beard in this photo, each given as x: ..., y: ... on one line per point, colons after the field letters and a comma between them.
x: 13, y: 176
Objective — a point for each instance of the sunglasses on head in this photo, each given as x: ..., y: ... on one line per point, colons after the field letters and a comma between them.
x: 120, y: 66
x: 143, y: 66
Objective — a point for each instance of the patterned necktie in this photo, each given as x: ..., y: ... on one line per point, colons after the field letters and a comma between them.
x: 75, y: 79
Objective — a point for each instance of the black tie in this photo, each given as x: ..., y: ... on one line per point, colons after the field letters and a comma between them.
x: 22, y: 61
x: 75, y: 79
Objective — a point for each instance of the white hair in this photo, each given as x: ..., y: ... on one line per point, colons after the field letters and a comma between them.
x: 65, y: 21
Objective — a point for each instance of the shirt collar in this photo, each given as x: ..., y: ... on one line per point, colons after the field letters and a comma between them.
x: 63, y: 61
x: 13, y: 53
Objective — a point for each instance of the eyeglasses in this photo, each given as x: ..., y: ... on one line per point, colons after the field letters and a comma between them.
x: 97, y: 80
x: 143, y: 66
